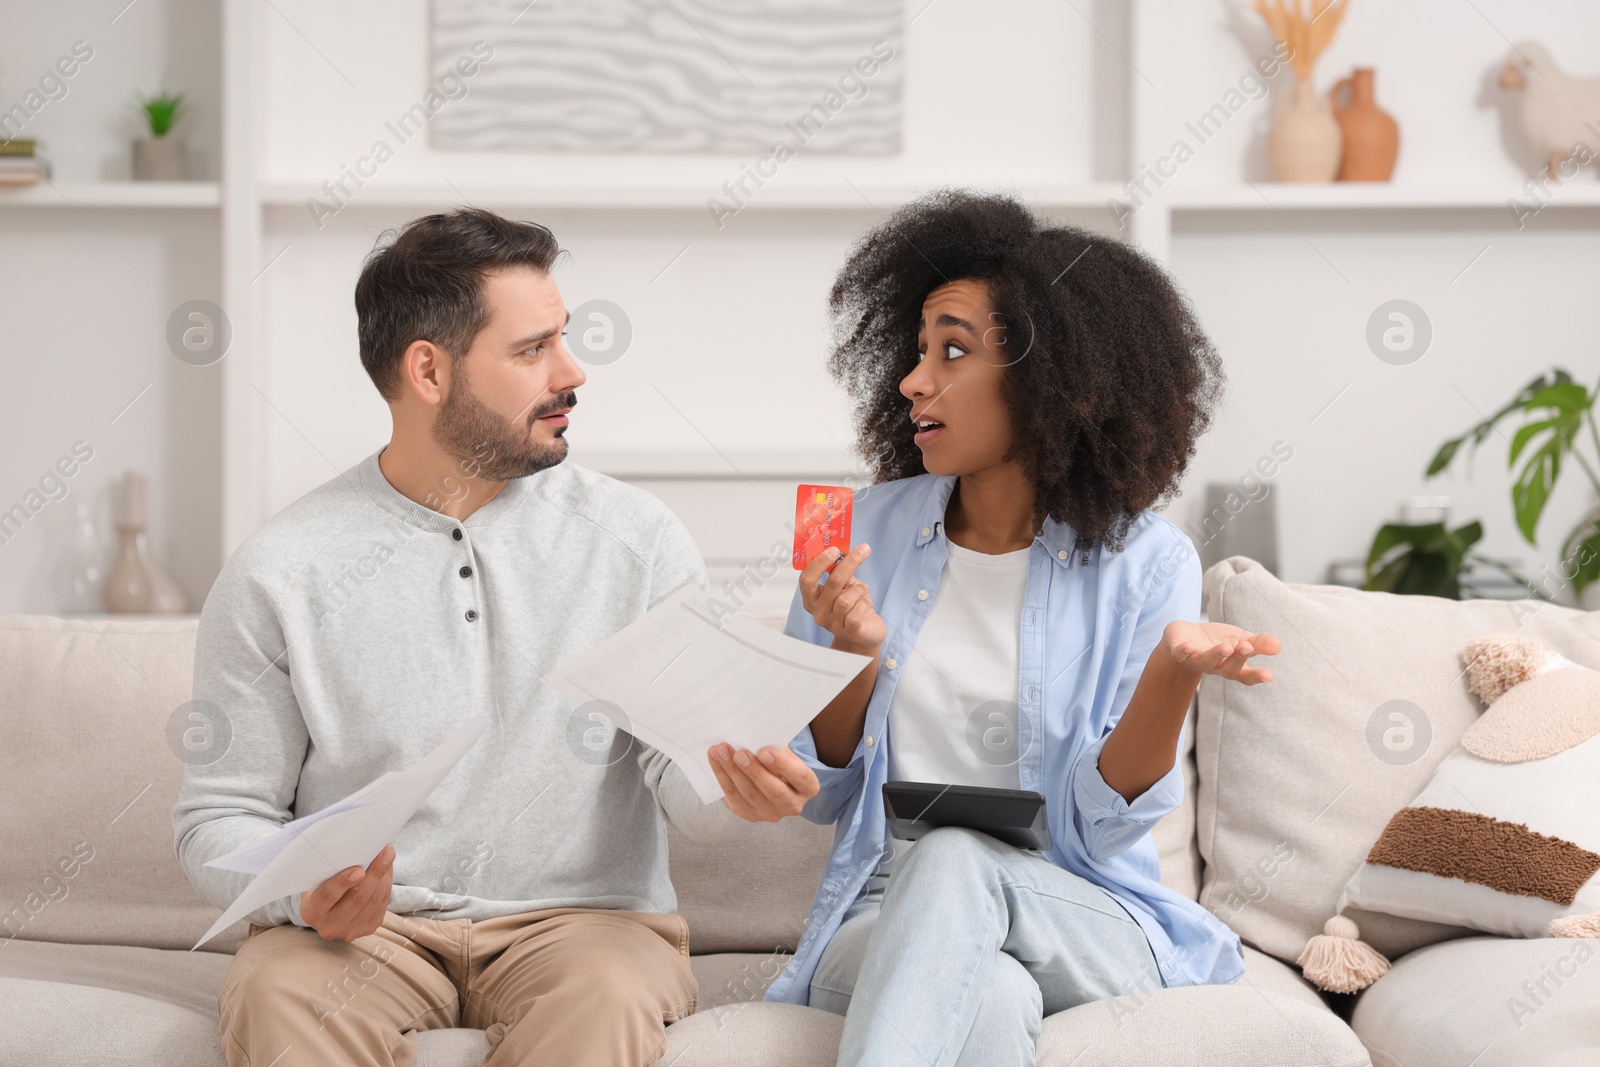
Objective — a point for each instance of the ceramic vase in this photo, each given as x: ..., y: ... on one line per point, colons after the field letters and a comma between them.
x: 1371, y: 135
x: 136, y: 586
x: 1305, y: 141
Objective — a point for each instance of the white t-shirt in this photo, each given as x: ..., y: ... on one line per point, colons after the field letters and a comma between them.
x: 953, y: 719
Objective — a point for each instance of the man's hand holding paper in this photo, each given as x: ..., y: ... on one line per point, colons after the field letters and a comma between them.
x: 691, y: 676
x: 313, y: 854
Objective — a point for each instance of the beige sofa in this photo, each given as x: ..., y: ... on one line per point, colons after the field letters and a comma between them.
x: 97, y: 917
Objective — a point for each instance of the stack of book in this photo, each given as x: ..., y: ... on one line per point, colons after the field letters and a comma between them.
x: 20, y: 162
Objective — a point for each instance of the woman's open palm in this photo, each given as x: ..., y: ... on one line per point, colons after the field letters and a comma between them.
x: 1220, y: 649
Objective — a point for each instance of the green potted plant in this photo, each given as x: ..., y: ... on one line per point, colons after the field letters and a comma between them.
x: 1428, y: 559
x: 160, y: 156
x: 1553, y: 412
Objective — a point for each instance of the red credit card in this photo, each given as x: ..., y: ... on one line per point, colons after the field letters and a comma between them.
x: 821, y: 520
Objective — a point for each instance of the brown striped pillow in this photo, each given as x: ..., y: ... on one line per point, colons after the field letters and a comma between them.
x: 1506, y: 836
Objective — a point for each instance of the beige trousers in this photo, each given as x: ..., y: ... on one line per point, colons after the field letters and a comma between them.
x: 564, y: 986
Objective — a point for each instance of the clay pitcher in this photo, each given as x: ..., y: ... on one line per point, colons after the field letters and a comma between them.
x: 1304, y: 142
x: 1371, y: 136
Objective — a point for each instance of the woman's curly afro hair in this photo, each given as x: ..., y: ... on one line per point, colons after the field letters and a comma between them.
x: 1110, y: 380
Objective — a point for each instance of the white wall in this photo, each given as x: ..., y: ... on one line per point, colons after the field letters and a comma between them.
x: 725, y: 372
x: 728, y: 322
x: 992, y: 91
x: 729, y: 326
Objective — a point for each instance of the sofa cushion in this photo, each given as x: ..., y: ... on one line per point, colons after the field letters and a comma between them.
x: 68, y: 1025
x: 1299, y: 776
x: 185, y: 980
x: 735, y: 977
x: 89, y: 775
x: 1270, y: 1016
x: 1487, y: 1001
x: 738, y: 1035
x: 748, y: 889
x: 1200, y: 1026
x: 1268, y: 974
x: 102, y: 1004
x: 142, y: 1005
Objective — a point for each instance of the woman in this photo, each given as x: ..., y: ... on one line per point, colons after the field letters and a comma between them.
x: 1025, y: 395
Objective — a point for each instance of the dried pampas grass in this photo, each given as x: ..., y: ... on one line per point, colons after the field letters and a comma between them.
x: 1305, y: 34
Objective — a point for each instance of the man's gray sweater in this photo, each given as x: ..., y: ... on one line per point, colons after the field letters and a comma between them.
x: 356, y: 629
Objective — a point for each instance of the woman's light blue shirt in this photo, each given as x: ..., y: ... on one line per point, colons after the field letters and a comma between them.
x: 1090, y: 619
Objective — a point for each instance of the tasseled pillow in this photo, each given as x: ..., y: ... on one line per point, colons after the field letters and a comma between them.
x: 1506, y: 836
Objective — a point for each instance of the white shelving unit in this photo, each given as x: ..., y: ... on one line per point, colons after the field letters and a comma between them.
x: 1245, y: 197
x: 841, y: 197
x: 1355, y: 196
x: 243, y: 200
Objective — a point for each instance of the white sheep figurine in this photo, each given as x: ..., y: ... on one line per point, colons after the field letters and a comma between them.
x: 1560, y: 114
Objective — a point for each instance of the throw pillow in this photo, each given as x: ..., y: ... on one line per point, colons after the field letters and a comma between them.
x: 1505, y: 837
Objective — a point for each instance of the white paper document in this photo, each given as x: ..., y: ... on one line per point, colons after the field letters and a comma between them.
x: 685, y: 677
x: 301, y: 855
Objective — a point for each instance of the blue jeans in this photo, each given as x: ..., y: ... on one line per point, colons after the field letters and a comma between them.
x: 972, y: 943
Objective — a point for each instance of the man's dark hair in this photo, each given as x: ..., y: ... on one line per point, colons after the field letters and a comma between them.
x: 426, y: 284
x: 1109, y: 379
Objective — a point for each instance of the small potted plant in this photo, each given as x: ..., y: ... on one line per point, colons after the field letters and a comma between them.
x: 1431, y: 559
x: 159, y: 157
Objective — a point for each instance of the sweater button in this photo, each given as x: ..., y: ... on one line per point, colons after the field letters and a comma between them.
x: 472, y: 614
x: 456, y: 533
x: 466, y: 572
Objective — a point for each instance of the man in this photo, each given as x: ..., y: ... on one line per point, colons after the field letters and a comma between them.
x: 437, y: 579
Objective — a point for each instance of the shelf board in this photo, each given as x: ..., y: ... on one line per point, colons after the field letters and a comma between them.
x: 840, y: 196
x: 1373, y: 196
x: 112, y: 194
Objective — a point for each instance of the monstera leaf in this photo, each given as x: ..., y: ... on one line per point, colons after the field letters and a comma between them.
x: 1447, y: 451
x: 1554, y: 410
x: 1580, y: 553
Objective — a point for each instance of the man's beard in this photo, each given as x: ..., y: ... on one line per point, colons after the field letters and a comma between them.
x: 488, y: 445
